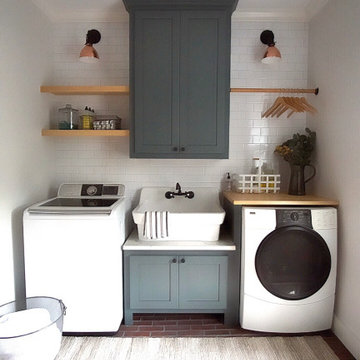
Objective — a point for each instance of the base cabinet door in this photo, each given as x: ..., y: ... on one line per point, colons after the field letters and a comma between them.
x: 178, y: 282
x: 202, y: 282
x: 153, y: 282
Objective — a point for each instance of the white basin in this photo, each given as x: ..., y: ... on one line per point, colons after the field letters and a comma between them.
x: 196, y: 219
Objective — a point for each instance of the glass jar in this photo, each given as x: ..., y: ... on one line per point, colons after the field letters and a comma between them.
x: 68, y: 118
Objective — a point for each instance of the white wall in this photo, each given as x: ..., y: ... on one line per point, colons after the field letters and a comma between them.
x: 107, y: 159
x: 25, y: 156
x: 334, y: 57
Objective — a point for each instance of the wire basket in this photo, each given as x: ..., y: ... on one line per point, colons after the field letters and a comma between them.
x: 254, y: 183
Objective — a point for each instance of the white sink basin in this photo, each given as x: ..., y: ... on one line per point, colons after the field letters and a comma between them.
x: 198, y: 218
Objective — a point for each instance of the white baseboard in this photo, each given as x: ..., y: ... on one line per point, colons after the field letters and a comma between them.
x: 347, y: 336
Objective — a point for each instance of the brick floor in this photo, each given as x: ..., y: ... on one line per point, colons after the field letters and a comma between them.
x: 202, y: 325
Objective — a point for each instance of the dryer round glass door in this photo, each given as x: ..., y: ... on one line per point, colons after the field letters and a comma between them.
x: 293, y: 262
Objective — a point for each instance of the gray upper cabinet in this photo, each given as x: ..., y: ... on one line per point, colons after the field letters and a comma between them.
x: 156, y: 90
x: 180, y: 78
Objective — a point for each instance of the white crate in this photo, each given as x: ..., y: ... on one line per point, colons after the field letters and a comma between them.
x: 254, y: 183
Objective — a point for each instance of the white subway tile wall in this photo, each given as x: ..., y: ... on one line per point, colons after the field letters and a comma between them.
x: 102, y: 159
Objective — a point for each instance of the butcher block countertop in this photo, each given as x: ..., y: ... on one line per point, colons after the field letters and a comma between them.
x: 264, y: 199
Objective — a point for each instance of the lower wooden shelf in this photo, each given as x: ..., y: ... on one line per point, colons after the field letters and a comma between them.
x: 50, y: 132
x: 86, y: 90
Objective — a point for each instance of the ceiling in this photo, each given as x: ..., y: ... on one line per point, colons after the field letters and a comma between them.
x: 113, y: 10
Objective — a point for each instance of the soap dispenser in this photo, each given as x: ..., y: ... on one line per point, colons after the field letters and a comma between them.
x: 227, y: 182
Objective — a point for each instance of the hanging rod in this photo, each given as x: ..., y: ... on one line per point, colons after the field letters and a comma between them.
x: 276, y: 90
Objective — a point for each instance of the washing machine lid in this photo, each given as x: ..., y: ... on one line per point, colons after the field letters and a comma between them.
x: 81, y: 199
x: 75, y: 206
x: 78, y: 202
x: 293, y: 262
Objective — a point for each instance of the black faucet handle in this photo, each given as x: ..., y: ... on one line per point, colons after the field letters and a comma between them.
x: 189, y: 194
x: 178, y: 188
x: 169, y: 195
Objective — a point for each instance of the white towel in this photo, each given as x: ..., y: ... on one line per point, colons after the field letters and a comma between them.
x: 156, y: 225
x: 147, y: 226
x: 163, y: 223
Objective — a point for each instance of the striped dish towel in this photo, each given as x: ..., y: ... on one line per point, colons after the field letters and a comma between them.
x: 156, y: 225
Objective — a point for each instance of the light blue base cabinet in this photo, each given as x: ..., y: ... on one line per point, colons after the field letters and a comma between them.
x: 174, y: 283
x: 153, y: 282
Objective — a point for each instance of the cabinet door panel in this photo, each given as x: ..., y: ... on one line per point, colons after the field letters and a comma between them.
x: 203, y: 84
x: 156, y: 76
x: 202, y: 282
x: 153, y: 282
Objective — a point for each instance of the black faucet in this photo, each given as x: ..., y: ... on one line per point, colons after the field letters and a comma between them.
x: 178, y: 188
x: 178, y: 192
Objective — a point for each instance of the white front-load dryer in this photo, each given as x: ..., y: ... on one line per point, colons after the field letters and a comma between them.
x: 288, y: 269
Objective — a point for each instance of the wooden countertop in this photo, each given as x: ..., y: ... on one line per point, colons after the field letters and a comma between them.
x: 264, y: 199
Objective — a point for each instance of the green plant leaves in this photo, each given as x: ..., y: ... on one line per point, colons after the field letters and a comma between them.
x: 298, y: 150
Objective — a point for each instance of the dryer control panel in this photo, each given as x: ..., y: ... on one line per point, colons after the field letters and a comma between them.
x: 287, y: 217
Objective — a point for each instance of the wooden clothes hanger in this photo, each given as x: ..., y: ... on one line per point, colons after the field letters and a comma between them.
x: 303, y: 105
x: 287, y: 105
x: 297, y: 104
x: 284, y: 103
x: 307, y: 105
x: 280, y: 105
x: 272, y: 108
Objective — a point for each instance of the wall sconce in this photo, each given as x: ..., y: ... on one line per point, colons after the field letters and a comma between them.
x: 272, y: 54
x: 88, y: 54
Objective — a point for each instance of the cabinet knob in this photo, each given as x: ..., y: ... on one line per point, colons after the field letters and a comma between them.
x: 173, y: 261
x: 175, y: 148
x: 182, y: 261
x: 182, y: 148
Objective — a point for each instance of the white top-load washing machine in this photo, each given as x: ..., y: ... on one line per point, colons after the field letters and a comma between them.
x: 72, y: 248
x: 288, y: 269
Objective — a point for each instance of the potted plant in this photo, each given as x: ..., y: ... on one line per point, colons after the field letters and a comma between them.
x: 297, y: 152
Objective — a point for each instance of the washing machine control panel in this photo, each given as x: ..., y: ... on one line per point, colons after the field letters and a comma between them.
x: 300, y: 217
x: 100, y: 190
x: 91, y: 190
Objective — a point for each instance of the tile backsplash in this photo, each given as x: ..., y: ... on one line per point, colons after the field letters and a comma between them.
x: 107, y: 159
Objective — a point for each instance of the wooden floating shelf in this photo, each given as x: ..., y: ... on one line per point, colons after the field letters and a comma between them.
x: 47, y: 132
x: 86, y: 90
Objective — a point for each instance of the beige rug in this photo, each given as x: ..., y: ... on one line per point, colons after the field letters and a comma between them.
x: 244, y: 348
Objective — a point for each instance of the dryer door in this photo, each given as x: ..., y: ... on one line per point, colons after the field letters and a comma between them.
x: 293, y: 262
